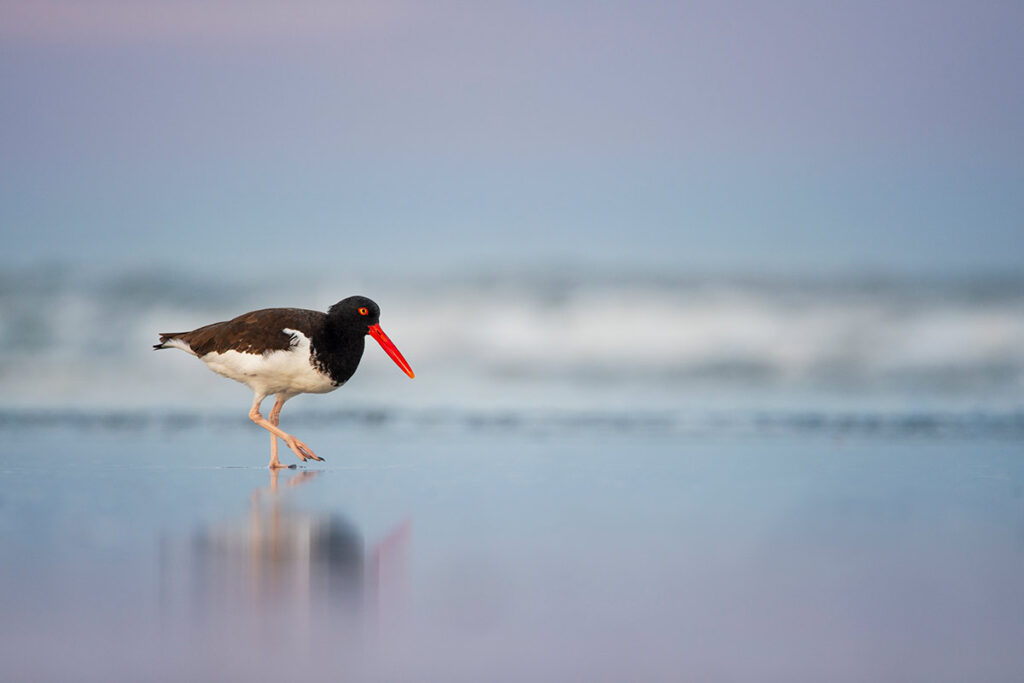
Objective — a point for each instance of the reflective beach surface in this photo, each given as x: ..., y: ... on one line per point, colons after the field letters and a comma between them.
x: 134, y: 548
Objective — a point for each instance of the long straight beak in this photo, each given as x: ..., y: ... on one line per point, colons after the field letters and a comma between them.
x: 390, y: 349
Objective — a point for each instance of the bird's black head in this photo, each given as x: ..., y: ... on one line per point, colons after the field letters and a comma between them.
x: 358, y: 315
x: 355, y: 312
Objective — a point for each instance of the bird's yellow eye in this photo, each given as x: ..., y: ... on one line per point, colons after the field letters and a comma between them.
x: 364, y: 311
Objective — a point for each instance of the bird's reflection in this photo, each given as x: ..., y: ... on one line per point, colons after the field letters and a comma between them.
x: 283, y: 576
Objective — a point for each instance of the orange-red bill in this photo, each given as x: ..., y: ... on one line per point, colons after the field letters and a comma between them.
x: 390, y: 349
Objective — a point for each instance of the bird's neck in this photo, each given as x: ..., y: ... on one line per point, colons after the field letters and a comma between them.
x: 337, y: 350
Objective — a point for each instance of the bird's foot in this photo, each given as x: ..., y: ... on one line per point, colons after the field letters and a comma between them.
x: 302, y: 450
x: 280, y: 466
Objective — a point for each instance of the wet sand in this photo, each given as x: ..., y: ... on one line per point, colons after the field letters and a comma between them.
x: 497, y: 554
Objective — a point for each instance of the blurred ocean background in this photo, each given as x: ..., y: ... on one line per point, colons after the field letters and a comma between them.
x: 673, y: 208
x: 630, y: 347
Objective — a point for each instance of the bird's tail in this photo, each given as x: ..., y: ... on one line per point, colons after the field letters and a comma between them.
x: 170, y: 340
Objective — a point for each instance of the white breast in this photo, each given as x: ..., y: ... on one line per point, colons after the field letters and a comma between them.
x: 288, y: 371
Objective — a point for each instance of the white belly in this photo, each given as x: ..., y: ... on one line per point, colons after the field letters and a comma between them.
x: 276, y: 372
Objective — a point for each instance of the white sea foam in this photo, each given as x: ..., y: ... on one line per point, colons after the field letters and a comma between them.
x: 539, y: 340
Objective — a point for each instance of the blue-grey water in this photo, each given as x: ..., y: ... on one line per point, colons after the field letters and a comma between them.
x: 591, y: 478
x: 433, y: 553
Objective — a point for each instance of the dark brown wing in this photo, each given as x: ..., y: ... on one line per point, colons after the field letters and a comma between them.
x: 255, y: 332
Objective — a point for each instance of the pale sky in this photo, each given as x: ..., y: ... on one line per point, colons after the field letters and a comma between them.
x: 703, y: 135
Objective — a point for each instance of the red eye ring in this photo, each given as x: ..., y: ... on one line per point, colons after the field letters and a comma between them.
x: 364, y: 311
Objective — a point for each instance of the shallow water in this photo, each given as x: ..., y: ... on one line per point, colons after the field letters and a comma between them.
x: 442, y: 552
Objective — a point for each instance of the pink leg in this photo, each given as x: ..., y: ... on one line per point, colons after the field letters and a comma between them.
x: 275, y: 419
x: 300, y: 449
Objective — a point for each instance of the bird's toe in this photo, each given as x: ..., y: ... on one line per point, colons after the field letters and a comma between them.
x: 303, y: 451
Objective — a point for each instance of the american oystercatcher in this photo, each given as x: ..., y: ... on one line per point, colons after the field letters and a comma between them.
x: 286, y: 352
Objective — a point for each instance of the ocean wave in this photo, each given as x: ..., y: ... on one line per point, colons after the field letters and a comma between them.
x: 69, y: 337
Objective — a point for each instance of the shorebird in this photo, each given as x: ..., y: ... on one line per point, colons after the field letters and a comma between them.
x: 286, y: 352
